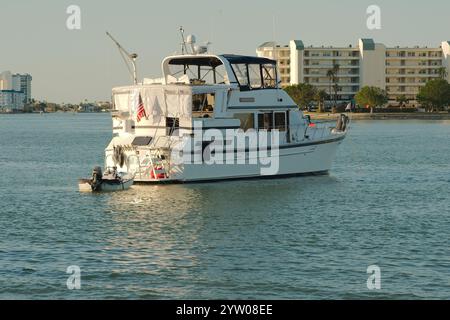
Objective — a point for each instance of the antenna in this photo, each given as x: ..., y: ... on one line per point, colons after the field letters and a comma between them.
x: 274, y: 37
x: 183, y: 43
x: 124, y: 53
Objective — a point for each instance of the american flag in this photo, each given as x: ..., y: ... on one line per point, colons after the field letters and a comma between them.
x: 140, y: 110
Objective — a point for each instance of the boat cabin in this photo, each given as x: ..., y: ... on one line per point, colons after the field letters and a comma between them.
x: 220, y: 91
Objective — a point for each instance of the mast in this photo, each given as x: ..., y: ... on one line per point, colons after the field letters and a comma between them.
x: 183, y: 43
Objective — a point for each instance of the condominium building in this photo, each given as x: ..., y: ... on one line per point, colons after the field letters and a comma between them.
x: 11, y: 100
x: 15, y: 90
x: 6, y: 80
x: 23, y: 83
x: 398, y: 70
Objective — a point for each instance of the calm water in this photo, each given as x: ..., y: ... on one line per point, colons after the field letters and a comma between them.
x: 386, y: 202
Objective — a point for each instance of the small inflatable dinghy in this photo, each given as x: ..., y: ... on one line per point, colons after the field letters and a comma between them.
x: 111, y: 180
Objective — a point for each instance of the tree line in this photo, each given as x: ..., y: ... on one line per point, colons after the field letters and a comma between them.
x: 434, y: 96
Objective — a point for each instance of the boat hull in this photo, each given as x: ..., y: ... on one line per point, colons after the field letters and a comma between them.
x: 313, y: 158
x: 85, y: 185
x: 110, y: 187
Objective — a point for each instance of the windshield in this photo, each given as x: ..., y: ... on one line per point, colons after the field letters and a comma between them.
x: 255, y: 76
x: 198, y: 70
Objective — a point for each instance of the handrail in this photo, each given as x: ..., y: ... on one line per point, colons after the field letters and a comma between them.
x: 138, y: 162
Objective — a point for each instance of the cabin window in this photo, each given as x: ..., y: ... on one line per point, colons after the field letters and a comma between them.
x: 203, y: 105
x: 280, y: 121
x: 217, y: 75
x: 172, y: 124
x: 269, y: 74
x: 142, y: 141
x: 255, y: 76
x: 241, y: 73
x: 265, y: 121
x: 254, y: 72
x: 247, y: 120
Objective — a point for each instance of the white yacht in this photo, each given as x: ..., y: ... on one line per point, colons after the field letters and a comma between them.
x: 216, y: 117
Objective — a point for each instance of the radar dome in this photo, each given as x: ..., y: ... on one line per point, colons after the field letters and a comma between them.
x: 190, y: 39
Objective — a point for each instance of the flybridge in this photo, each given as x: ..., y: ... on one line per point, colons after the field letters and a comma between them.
x: 248, y: 73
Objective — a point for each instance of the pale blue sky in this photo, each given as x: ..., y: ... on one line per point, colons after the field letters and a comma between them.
x: 69, y: 66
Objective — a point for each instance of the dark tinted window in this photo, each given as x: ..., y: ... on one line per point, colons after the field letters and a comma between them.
x: 172, y: 124
x: 141, y: 141
x: 265, y: 121
x: 280, y: 121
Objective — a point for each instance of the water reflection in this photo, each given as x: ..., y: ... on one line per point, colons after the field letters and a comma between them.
x: 179, y: 232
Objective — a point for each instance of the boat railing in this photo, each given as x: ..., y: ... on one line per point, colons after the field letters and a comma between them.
x: 319, y: 130
x: 314, y: 131
x: 137, y: 170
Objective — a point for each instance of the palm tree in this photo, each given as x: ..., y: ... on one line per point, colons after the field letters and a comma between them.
x: 332, y: 74
x: 402, y: 100
x: 321, y: 96
x: 442, y: 71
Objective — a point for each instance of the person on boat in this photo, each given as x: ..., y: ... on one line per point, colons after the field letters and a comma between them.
x: 349, y: 107
x: 310, y: 123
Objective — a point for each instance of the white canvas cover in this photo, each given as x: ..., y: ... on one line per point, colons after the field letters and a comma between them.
x: 159, y: 101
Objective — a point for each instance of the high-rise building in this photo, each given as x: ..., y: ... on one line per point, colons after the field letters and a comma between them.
x: 15, y: 90
x: 23, y: 83
x: 398, y: 70
x: 11, y: 100
x: 6, y: 80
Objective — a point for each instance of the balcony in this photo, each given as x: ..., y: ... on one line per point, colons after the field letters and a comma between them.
x: 315, y: 64
x: 404, y: 84
x: 413, y: 58
x: 330, y: 56
x: 391, y: 66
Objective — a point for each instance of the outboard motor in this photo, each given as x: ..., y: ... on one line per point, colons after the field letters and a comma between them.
x: 342, y: 123
x: 339, y: 123
x: 96, y: 178
x: 345, y: 121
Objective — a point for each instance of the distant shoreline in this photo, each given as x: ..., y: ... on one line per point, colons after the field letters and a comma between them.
x: 382, y: 116
x: 57, y: 112
x: 314, y: 116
